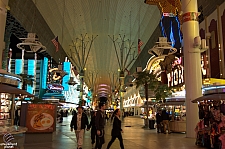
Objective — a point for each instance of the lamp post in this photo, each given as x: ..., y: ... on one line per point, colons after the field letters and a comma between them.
x: 82, y: 47
x: 81, y: 86
x: 124, y: 58
x: 121, y: 90
x: 91, y: 81
x: 192, y: 63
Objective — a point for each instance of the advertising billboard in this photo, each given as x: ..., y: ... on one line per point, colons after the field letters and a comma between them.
x: 40, y: 117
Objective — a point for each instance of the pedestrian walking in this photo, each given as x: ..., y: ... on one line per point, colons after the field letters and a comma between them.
x: 61, y: 116
x: 100, y: 124
x: 79, y: 123
x: 93, y: 129
x: 116, y: 130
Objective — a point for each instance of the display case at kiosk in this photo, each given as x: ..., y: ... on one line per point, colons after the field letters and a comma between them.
x: 177, y: 111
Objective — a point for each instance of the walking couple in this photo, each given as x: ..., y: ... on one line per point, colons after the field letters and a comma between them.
x: 97, y: 124
x: 100, y: 124
x: 80, y: 121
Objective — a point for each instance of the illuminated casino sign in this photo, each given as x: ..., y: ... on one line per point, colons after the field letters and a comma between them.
x: 176, y: 77
x: 56, y: 87
x: 57, y: 74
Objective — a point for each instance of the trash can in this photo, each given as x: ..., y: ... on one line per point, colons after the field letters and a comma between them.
x: 151, y: 124
x: 145, y: 122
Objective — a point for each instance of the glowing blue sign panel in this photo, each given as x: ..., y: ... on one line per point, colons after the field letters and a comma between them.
x: 31, y: 71
x: 44, y: 73
x: 66, y: 78
x: 18, y: 66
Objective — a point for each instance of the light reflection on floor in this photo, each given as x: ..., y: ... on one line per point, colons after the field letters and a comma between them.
x: 135, y: 137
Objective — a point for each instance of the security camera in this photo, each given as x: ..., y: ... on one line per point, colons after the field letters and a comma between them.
x: 197, y: 41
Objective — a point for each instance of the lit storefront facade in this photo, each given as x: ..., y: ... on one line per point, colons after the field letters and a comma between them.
x: 133, y: 101
x: 134, y: 98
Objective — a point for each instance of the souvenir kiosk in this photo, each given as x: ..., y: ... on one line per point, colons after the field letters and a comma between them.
x: 11, y: 135
x: 210, y: 129
x: 177, y: 111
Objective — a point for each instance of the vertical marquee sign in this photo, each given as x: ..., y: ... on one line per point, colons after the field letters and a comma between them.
x: 176, y: 77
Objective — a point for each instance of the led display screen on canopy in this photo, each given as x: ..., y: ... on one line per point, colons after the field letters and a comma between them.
x: 103, y: 92
x: 103, y: 95
x: 103, y: 85
x: 102, y: 89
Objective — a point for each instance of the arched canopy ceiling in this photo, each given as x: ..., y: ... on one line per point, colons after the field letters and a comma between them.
x: 68, y: 19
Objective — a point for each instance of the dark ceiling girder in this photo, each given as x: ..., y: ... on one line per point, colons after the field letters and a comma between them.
x: 23, y: 12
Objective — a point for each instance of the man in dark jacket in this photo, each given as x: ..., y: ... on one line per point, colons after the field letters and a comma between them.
x: 93, y: 129
x: 100, y: 124
x: 165, y: 120
x: 116, y: 131
x: 159, y: 121
x: 79, y: 123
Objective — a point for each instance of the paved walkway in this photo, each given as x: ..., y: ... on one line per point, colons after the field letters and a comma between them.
x: 135, y: 137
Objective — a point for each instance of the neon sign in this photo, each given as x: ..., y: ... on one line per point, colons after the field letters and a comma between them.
x: 169, y: 15
x: 55, y: 76
x: 176, y: 77
x: 57, y: 87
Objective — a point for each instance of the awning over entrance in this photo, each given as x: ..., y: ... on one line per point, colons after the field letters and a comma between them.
x: 215, y: 97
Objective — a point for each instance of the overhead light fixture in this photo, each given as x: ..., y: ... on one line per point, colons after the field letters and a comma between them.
x: 31, y: 44
x: 71, y: 81
x: 163, y: 47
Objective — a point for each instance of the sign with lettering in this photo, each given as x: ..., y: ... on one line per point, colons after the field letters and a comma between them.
x: 169, y: 15
x: 190, y: 16
x: 40, y: 117
x: 57, y: 87
x: 176, y: 77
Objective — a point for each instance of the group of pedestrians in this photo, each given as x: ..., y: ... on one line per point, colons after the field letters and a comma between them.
x: 80, y: 122
x: 162, y: 121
